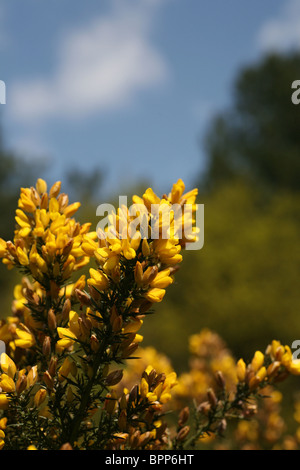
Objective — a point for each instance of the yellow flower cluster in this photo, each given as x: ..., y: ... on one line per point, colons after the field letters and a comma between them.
x: 135, y: 367
x: 13, y: 381
x: 74, y: 336
x: 3, y: 422
x: 151, y: 260
x: 208, y: 355
x: 47, y: 240
x: 147, y: 430
x: 266, y: 430
x: 274, y: 365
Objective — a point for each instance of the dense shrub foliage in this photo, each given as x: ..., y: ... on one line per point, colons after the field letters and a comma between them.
x: 74, y: 374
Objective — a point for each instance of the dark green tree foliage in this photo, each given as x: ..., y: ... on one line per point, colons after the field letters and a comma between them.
x: 14, y: 173
x: 259, y: 135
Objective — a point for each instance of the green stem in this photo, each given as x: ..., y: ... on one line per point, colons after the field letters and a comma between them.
x: 85, y: 398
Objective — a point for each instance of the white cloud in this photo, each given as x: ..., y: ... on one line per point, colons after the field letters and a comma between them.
x: 279, y: 34
x: 99, y: 67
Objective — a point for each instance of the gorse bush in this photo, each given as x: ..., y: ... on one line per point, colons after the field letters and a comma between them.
x: 73, y: 374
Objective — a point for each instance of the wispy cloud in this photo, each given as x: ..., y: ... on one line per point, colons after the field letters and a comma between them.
x: 283, y: 32
x: 100, y: 67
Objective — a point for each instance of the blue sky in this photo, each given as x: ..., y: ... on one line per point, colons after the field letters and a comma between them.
x: 128, y: 86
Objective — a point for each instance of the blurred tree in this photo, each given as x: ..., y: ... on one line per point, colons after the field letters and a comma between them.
x: 85, y: 187
x: 259, y: 135
x: 244, y: 283
x: 14, y: 173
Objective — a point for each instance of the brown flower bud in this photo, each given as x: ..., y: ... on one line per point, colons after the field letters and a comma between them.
x: 51, y: 320
x: 183, y: 416
x: 273, y: 369
x: 135, y: 439
x: 40, y: 397
x: 123, y: 402
x: 55, y: 189
x: 110, y: 403
x: 68, y: 247
x: 130, y: 350
x: 138, y: 274
x: 21, y: 384
x: 152, y: 378
x: 117, y: 324
x: 220, y: 379
x: 94, y: 293
x: 66, y: 309
x: 222, y: 426
x: 134, y: 393
x: 122, y: 421
x: 44, y: 201
x: 212, y: 397
x: 47, y: 346
x: 52, y: 366
x: 94, y: 343
x: 66, y: 446
x: 204, y: 407
x: 35, y: 197
x: 146, y: 304
x: 114, y: 377
x: 54, y: 289
x: 144, y: 439
x: 63, y: 201
x: 182, y: 434
x: 150, y: 274
x: 83, y: 298
x: 160, y: 431
x: 48, y: 380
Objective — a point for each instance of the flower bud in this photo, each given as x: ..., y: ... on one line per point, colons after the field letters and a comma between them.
x: 44, y: 201
x: 94, y: 343
x: 182, y: 434
x: 48, y: 380
x: 110, y: 403
x: 222, y: 426
x: 41, y: 186
x: 138, y: 274
x: 68, y: 247
x: 114, y: 377
x: 273, y: 369
x: 47, y: 346
x: 51, y: 320
x: 66, y: 309
x: 183, y: 416
x: 40, y: 397
x: 123, y: 402
x: 220, y: 380
x: 212, y: 397
x: 150, y: 274
x: 257, y: 361
x: 83, y: 298
x: 117, y: 324
x: 66, y: 446
x: 21, y: 384
x: 55, y: 189
x: 52, y: 366
x: 32, y: 376
x: 134, y: 393
x: 241, y: 370
x: 122, y: 421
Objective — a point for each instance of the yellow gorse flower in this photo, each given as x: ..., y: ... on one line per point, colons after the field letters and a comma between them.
x: 47, y: 241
